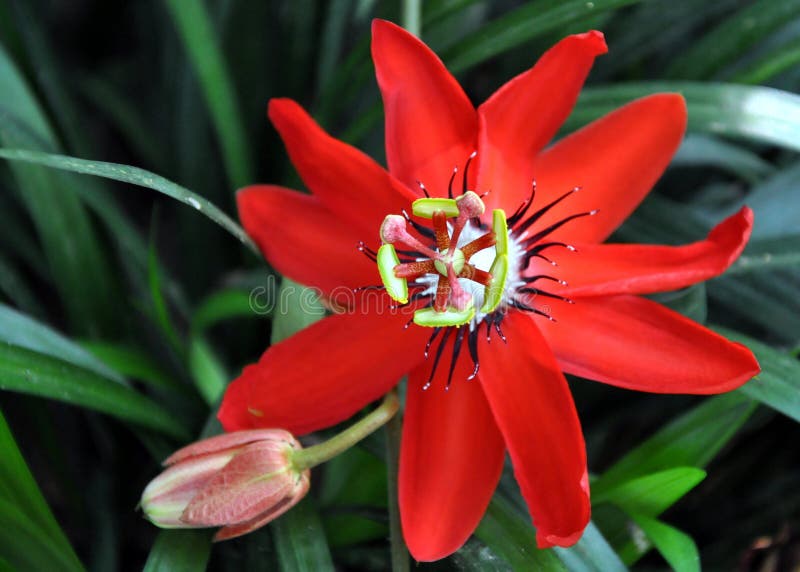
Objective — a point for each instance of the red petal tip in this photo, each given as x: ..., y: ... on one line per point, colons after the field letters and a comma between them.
x: 596, y: 40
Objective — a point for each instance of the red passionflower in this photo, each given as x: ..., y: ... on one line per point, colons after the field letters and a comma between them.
x: 589, y: 321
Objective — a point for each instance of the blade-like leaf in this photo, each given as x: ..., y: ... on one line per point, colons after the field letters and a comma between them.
x: 652, y: 494
x: 759, y: 114
x: 30, y: 372
x: 194, y: 26
x: 78, y: 265
x: 29, y: 530
x: 732, y: 37
x: 690, y: 440
x: 511, y: 537
x: 180, y: 551
x: 300, y: 540
x: 516, y: 27
x: 134, y: 176
x: 677, y: 548
x: 778, y: 384
x: 22, y: 331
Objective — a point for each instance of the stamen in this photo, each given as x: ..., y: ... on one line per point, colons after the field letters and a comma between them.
x: 440, y: 230
x: 480, y: 243
x: 423, y: 189
x: 413, y: 270
x: 436, y: 359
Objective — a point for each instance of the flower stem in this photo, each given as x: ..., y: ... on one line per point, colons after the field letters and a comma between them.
x: 398, y: 551
x: 411, y: 16
x: 313, y: 456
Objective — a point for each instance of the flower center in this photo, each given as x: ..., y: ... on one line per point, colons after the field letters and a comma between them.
x: 448, y: 262
x: 470, y: 273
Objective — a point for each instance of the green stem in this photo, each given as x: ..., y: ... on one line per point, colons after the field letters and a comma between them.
x: 398, y: 551
x: 412, y: 21
x: 313, y: 456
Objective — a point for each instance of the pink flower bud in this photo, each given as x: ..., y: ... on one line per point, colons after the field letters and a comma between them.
x: 238, y: 481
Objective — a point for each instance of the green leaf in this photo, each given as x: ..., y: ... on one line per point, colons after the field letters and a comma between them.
x: 705, y: 150
x: 223, y: 305
x: 78, y: 264
x: 768, y: 254
x: 475, y: 556
x: 512, y: 537
x: 296, y: 308
x: 194, y: 26
x: 778, y: 384
x: 22, y: 331
x: 677, y: 548
x: 731, y: 38
x: 28, y: 530
x: 14, y: 286
x: 208, y: 373
x: 693, y: 439
x: 770, y: 65
x: 26, y: 546
x: 591, y: 553
x: 759, y: 114
x: 133, y: 363
x: 30, y: 372
x: 134, y: 176
x: 652, y: 494
x: 180, y: 551
x: 160, y: 309
x: 516, y: 27
x: 692, y: 302
x: 300, y: 540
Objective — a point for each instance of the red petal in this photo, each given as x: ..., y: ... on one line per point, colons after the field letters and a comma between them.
x: 605, y: 269
x: 324, y: 373
x: 347, y: 181
x: 523, y: 115
x: 304, y: 240
x: 635, y: 343
x: 616, y: 160
x: 533, y: 407
x: 451, y: 459
x: 431, y: 125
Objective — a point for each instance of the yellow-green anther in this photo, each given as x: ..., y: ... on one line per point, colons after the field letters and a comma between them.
x: 500, y: 228
x: 451, y: 317
x: 396, y: 287
x: 494, y: 291
x: 427, y: 206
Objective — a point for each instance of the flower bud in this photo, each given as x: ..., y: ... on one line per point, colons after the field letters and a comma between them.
x: 239, y: 481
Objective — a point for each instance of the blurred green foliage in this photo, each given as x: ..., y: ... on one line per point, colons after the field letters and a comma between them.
x: 116, y: 341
